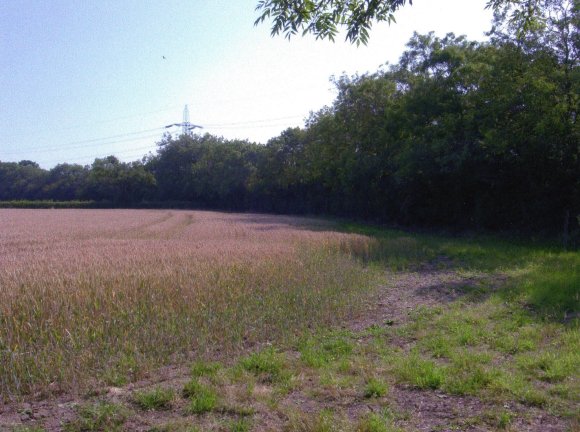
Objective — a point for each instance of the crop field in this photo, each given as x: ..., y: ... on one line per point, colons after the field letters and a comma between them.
x: 165, y: 320
x: 103, y: 294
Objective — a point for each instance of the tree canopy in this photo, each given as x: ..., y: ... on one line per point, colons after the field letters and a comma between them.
x: 325, y: 18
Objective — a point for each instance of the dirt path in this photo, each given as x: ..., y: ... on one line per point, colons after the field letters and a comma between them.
x: 419, y: 410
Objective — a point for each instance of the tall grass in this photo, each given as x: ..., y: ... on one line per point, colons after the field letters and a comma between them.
x: 544, y: 276
x: 104, y: 295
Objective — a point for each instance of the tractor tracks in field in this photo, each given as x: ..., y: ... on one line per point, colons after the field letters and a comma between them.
x: 168, y: 225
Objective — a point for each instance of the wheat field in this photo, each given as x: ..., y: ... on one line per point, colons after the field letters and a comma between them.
x: 93, y: 296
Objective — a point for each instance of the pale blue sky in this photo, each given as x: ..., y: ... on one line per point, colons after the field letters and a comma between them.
x: 80, y: 80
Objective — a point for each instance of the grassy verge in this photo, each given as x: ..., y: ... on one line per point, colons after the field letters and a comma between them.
x: 49, y: 204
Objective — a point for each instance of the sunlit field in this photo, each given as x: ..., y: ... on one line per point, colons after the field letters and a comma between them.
x: 183, y: 320
x: 93, y: 296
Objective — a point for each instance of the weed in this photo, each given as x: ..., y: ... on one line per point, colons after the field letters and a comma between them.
x: 420, y: 372
x: 240, y: 425
x: 201, y: 368
x: 375, y: 388
x: 267, y: 365
x: 532, y: 397
x: 320, y: 351
x: 155, y: 399
x: 202, y: 398
x: 176, y: 426
x: 549, y: 366
x: 504, y: 419
x: 324, y: 421
x: 467, y: 381
x: 330, y: 379
x: 237, y: 410
x: 102, y: 416
x: 376, y: 423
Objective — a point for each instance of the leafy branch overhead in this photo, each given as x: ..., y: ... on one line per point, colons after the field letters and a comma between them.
x: 326, y: 18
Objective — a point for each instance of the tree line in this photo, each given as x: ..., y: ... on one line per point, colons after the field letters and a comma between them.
x: 462, y: 134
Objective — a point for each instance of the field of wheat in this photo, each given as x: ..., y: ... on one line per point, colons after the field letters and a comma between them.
x: 92, y: 296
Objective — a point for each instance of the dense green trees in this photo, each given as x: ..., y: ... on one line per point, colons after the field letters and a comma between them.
x: 119, y: 182
x: 458, y: 134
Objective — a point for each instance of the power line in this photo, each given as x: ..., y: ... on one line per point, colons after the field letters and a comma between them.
x: 75, y: 144
x: 102, y: 155
x: 110, y: 140
x: 130, y: 116
x: 250, y: 127
x: 216, y: 125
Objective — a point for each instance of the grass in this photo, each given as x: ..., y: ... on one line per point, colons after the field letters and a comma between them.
x: 201, y: 368
x: 375, y: 388
x: 268, y: 365
x: 197, y: 273
x: 493, y: 350
x: 155, y: 399
x: 376, y: 423
x: 202, y: 397
x: 421, y: 373
x: 240, y: 425
x: 281, y: 292
x: 326, y: 348
x: 325, y: 420
x: 98, y: 417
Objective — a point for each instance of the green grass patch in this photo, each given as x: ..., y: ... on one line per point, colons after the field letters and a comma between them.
x: 496, y: 349
x: 101, y: 416
x: 268, y: 366
x: 202, y: 368
x: 319, y: 351
x: 155, y: 399
x: 202, y: 398
x: 420, y: 372
x: 375, y: 388
x: 375, y: 422
x: 176, y: 426
x: 240, y: 425
x: 325, y: 420
x: 552, y: 286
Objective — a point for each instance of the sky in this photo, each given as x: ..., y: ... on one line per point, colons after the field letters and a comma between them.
x: 81, y: 80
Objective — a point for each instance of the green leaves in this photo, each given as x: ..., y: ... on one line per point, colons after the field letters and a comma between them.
x: 325, y: 18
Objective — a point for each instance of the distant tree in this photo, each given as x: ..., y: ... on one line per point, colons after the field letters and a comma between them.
x: 66, y: 182
x: 119, y: 182
x: 28, y: 163
x: 172, y: 166
x: 22, y: 180
x: 220, y: 176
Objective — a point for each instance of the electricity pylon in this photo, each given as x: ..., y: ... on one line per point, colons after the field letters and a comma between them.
x: 186, y: 125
